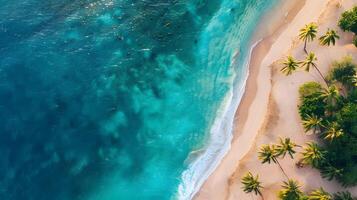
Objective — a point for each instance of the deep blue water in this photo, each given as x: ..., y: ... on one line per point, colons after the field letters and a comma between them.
x: 105, y: 99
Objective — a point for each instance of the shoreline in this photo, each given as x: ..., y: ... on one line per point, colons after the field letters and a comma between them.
x: 258, y: 110
x: 234, y: 101
x: 222, y: 127
x: 258, y: 54
x: 252, y: 73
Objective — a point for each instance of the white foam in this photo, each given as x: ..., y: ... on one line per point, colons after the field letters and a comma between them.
x: 219, y: 142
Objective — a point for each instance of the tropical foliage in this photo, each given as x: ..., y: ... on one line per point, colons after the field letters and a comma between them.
x: 312, y: 105
x: 252, y: 184
x: 348, y: 22
x: 319, y: 194
x: 271, y: 153
x: 333, y: 131
x: 285, y: 146
x: 290, y: 191
x: 290, y: 65
x: 331, y: 172
x: 268, y: 154
x: 308, y: 89
x: 313, y: 155
x: 329, y: 38
x: 343, y: 196
x: 308, y: 33
x: 312, y: 122
x: 310, y: 61
x: 344, y: 72
x: 332, y: 114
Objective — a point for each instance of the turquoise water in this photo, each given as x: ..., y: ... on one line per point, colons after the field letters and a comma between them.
x: 106, y: 99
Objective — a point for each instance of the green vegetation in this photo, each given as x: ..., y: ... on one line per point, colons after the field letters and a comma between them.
x: 271, y: 153
x: 309, y: 88
x: 252, y: 184
x: 310, y: 61
x: 333, y: 116
x: 268, y: 154
x: 319, y: 194
x: 290, y: 65
x: 330, y: 37
x: 312, y: 122
x: 313, y: 155
x: 348, y: 22
x: 285, y: 146
x: 343, y: 72
x: 308, y: 33
x: 312, y: 105
x: 290, y: 191
x: 343, y: 196
x: 329, y: 112
x: 331, y: 172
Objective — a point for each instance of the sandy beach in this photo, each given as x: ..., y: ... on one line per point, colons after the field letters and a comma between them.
x: 268, y: 109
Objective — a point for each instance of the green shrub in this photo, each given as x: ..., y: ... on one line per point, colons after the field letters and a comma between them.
x: 355, y: 41
x: 343, y: 196
x: 349, y: 177
x: 347, y: 117
x: 343, y: 71
x: 348, y: 20
x: 309, y: 88
x: 312, y: 105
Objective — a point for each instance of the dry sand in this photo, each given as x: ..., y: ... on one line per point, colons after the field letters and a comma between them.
x: 268, y: 109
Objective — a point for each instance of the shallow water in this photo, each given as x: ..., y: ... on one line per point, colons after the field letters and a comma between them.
x: 105, y: 99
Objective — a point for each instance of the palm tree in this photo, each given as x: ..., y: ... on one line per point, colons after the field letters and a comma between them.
x: 310, y: 62
x: 343, y: 196
x: 290, y: 65
x: 331, y: 172
x: 252, y: 184
x: 333, y: 131
x: 331, y: 95
x: 268, y: 154
x: 291, y: 191
x: 285, y: 146
x: 320, y: 194
x: 308, y: 33
x: 313, y: 155
x: 312, y: 122
x: 330, y: 37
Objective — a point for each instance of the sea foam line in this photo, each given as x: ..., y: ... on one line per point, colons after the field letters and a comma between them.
x: 219, y: 143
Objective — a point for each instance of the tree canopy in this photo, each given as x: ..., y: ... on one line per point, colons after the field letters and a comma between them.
x: 348, y: 20
x: 334, y: 115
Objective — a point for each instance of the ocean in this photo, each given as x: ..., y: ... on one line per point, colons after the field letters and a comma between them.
x: 119, y: 99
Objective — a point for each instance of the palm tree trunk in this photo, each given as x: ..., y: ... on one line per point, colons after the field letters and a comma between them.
x: 322, y: 76
x: 287, y: 177
x: 261, y: 196
x: 305, y: 47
